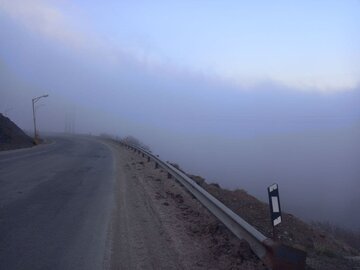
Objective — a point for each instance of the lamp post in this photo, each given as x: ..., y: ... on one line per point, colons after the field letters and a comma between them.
x: 34, y: 100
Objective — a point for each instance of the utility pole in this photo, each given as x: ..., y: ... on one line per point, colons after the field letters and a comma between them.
x: 34, y: 100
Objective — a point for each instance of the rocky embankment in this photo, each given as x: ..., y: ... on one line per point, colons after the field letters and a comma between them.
x: 202, y: 242
x: 159, y: 225
x: 11, y: 136
x: 324, y: 251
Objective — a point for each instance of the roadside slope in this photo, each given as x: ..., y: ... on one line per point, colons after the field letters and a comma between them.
x: 324, y: 251
x: 175, y: 208
x: 157, y: 224
x: 11, y: 136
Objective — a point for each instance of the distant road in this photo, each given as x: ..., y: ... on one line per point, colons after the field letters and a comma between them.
x: 55, y: 205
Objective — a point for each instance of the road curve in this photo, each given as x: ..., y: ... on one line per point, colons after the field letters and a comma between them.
x: 55, y: 205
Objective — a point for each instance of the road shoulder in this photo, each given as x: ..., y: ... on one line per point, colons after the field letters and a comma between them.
x: 157, y: 224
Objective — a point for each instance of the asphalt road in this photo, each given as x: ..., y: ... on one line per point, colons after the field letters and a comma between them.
x: 56, y: 202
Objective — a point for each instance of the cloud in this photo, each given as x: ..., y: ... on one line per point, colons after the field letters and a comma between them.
x: 40, y: 17
x: 48, y: 20
x: 324, y: 84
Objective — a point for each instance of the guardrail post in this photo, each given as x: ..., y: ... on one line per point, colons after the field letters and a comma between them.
x: 283, y: 257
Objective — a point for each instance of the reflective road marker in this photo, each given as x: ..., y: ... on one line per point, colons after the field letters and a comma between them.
x: 274, y: 203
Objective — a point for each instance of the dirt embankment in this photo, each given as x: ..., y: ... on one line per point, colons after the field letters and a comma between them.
x: 11, y: 136
x: 323, y: 249
x: 187, y: 236
x: 159, y: 225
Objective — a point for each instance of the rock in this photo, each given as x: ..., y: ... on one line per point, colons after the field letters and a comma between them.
x: 11, y: 136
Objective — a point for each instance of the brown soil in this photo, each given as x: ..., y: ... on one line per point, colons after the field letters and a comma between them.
x: 159, y: 225
x: 324, y: 251
x: 197, y: 240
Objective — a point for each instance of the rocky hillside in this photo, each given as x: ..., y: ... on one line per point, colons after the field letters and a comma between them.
x: 11, y: 136
x: 323, y: 249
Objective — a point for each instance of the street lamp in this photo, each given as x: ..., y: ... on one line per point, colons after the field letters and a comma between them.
x: 34, y: 100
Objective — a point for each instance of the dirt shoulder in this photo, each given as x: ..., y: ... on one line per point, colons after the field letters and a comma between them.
x: 157, y: 224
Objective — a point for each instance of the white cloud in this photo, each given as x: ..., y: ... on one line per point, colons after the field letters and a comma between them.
x: 43, y: 17
x: 39, y: 16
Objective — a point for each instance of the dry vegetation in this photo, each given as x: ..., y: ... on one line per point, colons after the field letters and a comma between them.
x: 351, y: 237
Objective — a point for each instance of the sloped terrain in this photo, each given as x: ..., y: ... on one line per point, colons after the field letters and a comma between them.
x: 11, y: 136
x: 324, y: 251
x: 159, y: 225
x: 211, y: 245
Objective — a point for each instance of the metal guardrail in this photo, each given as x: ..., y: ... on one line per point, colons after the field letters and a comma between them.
x: 275, y: 255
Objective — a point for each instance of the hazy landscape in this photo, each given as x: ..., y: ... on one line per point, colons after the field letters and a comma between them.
x: 241, y: 100
x: 307, y: 142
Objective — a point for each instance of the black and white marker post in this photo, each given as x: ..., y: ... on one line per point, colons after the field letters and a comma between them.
x: 275, y: 209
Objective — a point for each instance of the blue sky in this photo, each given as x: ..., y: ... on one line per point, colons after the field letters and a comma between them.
x: 302, y: 44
